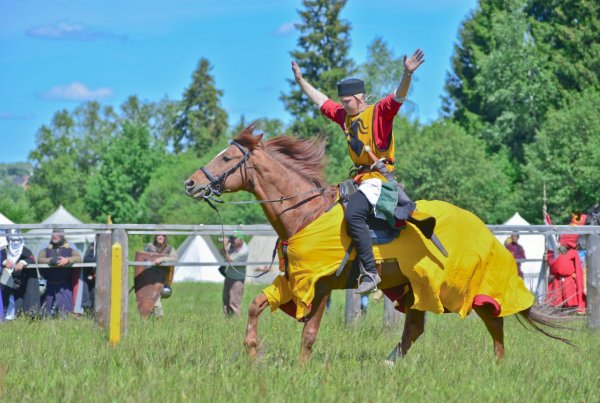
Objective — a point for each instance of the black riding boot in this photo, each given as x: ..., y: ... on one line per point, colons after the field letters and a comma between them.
x: 357, y: 213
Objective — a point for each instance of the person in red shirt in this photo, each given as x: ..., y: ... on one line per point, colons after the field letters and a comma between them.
x: 365, y: 125
x: 565, y: 282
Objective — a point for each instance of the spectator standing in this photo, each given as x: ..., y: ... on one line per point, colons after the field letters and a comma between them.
x: 565, y: 282
x: 235, y: 250
x: 160, y: 245
x: 22, y: 285
x: 60, y: 277
x: 517, y: 250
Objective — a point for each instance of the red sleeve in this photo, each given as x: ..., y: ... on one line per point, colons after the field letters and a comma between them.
x: 385, y: 111
x: 334, y: 111
x: 388, y: 107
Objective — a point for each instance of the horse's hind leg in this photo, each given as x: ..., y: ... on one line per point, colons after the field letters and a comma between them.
x: 311, y: 326
x: 414, y: 326
x: 256, y: 308
x: 495, y: 326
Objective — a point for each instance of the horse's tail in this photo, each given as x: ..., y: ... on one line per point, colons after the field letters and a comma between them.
x: 542, y: 316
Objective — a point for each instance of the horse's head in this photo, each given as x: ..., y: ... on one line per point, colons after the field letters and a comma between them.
x: 228, y: 171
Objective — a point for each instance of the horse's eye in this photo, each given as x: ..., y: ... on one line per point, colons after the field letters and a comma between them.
x: 226, y: 158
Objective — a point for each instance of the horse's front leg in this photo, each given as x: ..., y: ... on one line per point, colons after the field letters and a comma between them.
x: 414, y: 326
x: 311, y: 328
x: 256, y: 308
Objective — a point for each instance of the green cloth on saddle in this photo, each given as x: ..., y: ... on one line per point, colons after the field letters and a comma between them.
x: 387, y: 202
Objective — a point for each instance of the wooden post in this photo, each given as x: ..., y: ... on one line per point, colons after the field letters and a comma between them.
x: 352, y: 306
x: 103, y: 264
x: 120, y: 236
x: 114, y: 334
x: 391, y: 316
x: 593, y: 281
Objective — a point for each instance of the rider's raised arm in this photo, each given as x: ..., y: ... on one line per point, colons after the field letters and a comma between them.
x: 314, y: 94
x: 410, y: 65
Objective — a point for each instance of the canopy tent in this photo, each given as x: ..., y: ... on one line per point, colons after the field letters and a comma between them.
x: 534, y: 246
x: 3, y: 220
x: 260, y: 249
x: 198, y: 249
x: 80, y: 239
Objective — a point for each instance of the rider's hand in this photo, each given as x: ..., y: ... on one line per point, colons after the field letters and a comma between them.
x: 296, y: 71
x: 413, y: 63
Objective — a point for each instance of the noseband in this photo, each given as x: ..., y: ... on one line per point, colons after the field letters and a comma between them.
x: 215, y: 187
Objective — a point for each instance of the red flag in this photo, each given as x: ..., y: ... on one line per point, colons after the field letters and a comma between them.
x: 547, y: 219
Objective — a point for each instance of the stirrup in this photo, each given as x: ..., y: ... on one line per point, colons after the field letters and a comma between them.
x: 374, y: 278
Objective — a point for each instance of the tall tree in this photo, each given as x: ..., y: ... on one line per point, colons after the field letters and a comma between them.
x: 566, y: 156
x: 323, y: 53
x: 500, y: 88
x: 125, y: 170
x: 568, y: 32
x: 57, y: 178
x: 201, y: 122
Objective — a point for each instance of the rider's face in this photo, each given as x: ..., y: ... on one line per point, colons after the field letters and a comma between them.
x: 352, y: 103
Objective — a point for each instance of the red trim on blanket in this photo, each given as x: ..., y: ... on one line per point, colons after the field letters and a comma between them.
x: 289, y: 308
x: 397, y: 294
x: 481, y: 300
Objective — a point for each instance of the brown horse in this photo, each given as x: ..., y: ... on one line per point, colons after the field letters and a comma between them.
x: 285, y: 176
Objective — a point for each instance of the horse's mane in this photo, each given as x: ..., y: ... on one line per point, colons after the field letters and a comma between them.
x: 305, y: 156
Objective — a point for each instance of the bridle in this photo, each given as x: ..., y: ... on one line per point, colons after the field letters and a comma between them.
x: 215, y: 187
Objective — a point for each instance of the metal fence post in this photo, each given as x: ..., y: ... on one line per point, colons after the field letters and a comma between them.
x: 593, y: 281
x: 102, y: 292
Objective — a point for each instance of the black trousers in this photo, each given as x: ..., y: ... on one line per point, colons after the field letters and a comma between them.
x: 356, y: 215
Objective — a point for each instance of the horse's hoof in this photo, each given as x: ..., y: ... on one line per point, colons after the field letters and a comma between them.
x: 391, y: 359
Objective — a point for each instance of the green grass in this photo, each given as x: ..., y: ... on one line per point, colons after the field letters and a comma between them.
x: 195, y: 354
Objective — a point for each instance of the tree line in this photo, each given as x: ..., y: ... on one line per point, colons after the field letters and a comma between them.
x: 520, y: 110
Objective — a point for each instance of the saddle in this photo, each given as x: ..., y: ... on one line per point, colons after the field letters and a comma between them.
x: 380, y: 229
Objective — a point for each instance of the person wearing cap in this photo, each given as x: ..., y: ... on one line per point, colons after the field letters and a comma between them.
x: 364, y: 125
x: 59, y: 255
x: 235, y: 250
x: 161, y: 245
x: 22, y: 284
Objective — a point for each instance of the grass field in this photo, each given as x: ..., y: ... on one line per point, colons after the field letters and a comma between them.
x: 195, y: 354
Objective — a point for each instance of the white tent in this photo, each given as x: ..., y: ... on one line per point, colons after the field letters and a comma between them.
x: 4, y: 220
x: 534, y: 246
x: 260, y: 249
x: 37, y: 239
x: 197, y: 249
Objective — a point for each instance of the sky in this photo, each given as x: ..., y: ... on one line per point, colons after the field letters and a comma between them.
x: 57, y: 54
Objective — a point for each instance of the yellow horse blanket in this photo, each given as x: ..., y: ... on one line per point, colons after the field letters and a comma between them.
x: 477, y: 264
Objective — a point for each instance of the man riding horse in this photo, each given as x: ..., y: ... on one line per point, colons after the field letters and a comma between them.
x: 367, y: 127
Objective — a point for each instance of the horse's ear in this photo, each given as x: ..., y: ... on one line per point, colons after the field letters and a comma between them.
x: 247, y: 137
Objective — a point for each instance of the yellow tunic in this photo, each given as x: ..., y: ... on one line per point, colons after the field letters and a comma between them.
x: 361, y: 127
x: 477, y: 263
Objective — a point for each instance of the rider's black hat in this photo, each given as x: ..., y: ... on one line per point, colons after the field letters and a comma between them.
x: 351, y: 86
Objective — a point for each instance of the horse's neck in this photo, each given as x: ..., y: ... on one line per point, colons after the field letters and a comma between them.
x: 304, y: 201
